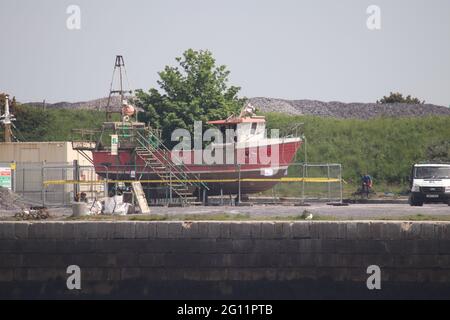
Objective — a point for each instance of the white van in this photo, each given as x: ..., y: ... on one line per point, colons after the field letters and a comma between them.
x: 430, y: 182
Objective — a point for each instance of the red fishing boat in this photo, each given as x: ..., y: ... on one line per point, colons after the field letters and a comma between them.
x: 137, y: 153
x: 245, y: 160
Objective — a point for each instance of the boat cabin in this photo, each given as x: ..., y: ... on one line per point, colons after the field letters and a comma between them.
x: 247, y: 129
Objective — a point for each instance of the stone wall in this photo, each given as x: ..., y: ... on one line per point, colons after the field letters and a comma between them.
x: 225, y: 259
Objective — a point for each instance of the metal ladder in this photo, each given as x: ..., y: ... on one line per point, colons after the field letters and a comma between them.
x: 178, y: 177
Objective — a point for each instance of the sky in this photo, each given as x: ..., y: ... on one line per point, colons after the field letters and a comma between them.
x: 290, y: 49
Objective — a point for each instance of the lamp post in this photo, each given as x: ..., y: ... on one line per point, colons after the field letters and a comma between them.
x: 6, y: 119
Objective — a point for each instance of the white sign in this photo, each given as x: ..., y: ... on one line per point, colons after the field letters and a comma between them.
x: 5, y: 177
x: 114, y: 144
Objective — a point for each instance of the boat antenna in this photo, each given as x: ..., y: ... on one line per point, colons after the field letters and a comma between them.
x: 247, y: 110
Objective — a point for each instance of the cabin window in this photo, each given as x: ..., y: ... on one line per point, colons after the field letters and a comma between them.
x: 253, y: 131
x: 223, y: 130
x: 228, y: 133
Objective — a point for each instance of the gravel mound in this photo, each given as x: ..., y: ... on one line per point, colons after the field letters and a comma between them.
x: 97, y: 104
x: 295, y: 107
x: 347, y: 110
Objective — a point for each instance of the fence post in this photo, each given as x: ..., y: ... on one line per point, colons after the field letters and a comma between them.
x: 170, y: 187
x: 92, y: 190
x: 306, y: 150
x: 340, y: 182
x: 303, y: 182
x: 274, y: 196
x: 76, y: 174
x: 239, y: 184
x: 106, y: 191
x: 328, y: 182
x: 42, y: 181
x: 23, y: 181
x: 63, y: 193
x: 14, y: 176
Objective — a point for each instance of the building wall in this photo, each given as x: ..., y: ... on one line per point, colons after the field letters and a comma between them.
x: 34, y: 152
x: 42, y: 161
x: 252, y: 260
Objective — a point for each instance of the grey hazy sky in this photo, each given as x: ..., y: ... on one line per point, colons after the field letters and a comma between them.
x: 318, y: 49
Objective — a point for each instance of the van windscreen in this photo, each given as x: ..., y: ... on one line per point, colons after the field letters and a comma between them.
x: 432, y: 173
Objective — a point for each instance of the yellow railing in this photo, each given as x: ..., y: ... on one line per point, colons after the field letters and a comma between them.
x: 286, y: 179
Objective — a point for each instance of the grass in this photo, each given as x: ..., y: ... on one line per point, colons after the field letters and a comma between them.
x: 384, y: 147
x: 320, y: 190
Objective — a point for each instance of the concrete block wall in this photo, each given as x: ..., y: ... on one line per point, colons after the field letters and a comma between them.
x: 225, y: 259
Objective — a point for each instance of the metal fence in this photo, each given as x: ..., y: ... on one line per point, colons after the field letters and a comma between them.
x: 322, y: 182
x: 55, y: 184
x: 29, y: 181
x: 308, y: 183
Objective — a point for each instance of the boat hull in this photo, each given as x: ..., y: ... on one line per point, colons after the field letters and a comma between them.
x: 220, y: 178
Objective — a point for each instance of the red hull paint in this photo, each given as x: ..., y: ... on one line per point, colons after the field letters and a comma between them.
x: 120, y: 166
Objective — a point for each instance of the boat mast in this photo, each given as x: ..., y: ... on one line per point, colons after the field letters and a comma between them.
x: 120, y: 66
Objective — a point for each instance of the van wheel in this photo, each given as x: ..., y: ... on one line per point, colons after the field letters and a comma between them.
x: 415, y: 203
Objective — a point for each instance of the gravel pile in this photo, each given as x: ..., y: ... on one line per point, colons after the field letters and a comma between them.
x: 9, y: 200
x: 347, y: 110
x: 97, y: 104
x: 35, y: 213
x: 295, y: 107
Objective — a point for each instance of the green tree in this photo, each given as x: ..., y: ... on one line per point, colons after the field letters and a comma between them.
x: 35, y: 124
x: 196, y: 89
x: 32, y: 124
x: 12, y: 103
x: 397, y: 97
x: 439, y: 151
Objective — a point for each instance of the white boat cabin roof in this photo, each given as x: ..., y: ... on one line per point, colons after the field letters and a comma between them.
x: 236, y: 120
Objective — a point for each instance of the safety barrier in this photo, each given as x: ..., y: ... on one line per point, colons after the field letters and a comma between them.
x: 317, y: 180
x: 56, y: 184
